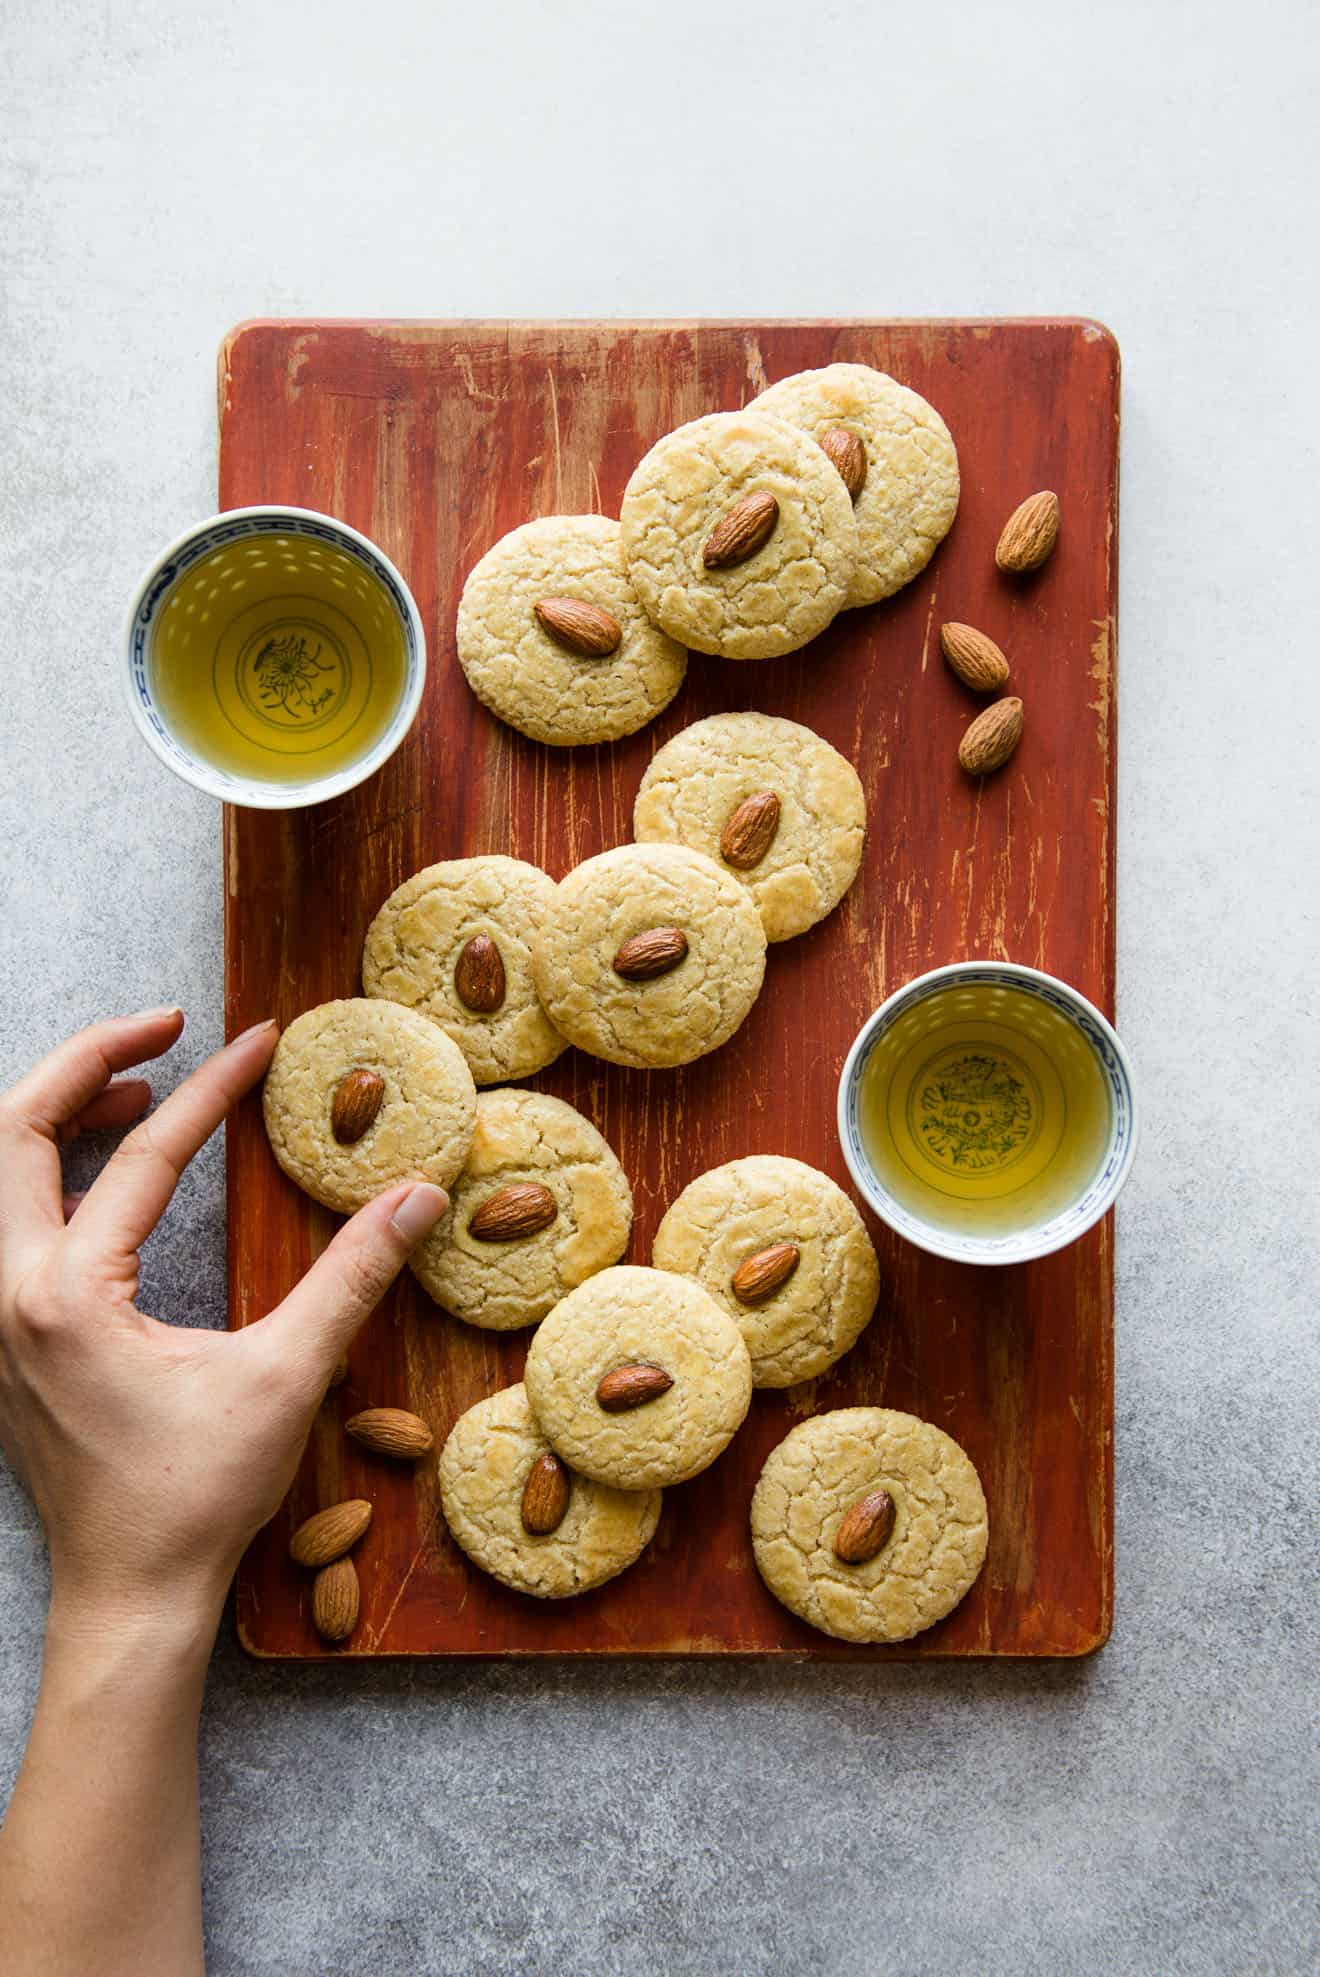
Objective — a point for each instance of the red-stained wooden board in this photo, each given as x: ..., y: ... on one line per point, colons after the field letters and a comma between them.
x: 437, y: 438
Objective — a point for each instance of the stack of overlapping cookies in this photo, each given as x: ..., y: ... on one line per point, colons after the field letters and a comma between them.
x: 741, y: 534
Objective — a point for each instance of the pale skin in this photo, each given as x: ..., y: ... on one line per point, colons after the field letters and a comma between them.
x: 153, y: 1453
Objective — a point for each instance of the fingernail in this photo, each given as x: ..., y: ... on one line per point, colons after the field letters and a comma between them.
x: 157, y: 1015
x: 419, y: 1211
x: 252, y: 1030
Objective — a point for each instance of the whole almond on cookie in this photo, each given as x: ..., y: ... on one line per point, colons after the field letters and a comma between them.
x: 652, y: 953
x: 546, y: 1494
x: 976, y: 659
x: 479, y: 975
x: 355, y: 1104
x: 524, y: 1208
x: 848, y: 455
x: 1029, y: 534
x: 391, y: 1431
x: 758, y: 1277
x: 335, y: 1600
x: 750, y: 831
x: 992, y: 737
x: 632, y: 1386
x: 580, y: 627
x: 330, y: 1533
x: 747, y: 527
x: 865, y: 1528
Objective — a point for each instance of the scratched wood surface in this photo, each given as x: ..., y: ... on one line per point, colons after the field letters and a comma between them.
x: 437, y: 438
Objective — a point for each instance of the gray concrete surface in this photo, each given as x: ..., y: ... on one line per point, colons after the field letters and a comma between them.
x: 166, y: 171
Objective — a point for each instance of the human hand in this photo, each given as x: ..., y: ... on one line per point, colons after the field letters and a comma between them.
x: 153, y: 1452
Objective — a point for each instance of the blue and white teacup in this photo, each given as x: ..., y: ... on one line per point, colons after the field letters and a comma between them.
x: 274, y: 657
x: 987, y: 1113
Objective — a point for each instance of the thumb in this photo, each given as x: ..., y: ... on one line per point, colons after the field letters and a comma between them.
x: 322, y: 1312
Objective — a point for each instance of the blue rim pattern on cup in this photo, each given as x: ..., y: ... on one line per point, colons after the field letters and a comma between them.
x: 1023, y: 1245
x: 215, y: 534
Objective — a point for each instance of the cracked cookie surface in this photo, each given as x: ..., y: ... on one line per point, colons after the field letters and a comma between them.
x: 625, y: 1316
x: 940, y: 1531
x: 791, y: 587
x: 413, y: 947
x: 527, y: 676
x: 422, y: 1129
x: 670, y: 1018
x: 739, y: 1210
x: 483, y: 1471
x: 696, y: 782
x: 907, y: 503
x: 527, y: 1136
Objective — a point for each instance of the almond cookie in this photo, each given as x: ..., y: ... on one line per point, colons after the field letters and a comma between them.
x: 554, y: 640
x: 639, y: 1379
x: 650, y: 954
x: 454, y: 942
x: 498, y: 1477
x: 767, y: 799
x: 362, y: 1094
x: 739, y: 536
x: 787, y: 1255
x: 541, y: 1205
x: 904, y: 479
x: 869, y: 1524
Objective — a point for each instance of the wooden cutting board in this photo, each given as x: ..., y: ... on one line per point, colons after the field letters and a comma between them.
x: 436, y: 438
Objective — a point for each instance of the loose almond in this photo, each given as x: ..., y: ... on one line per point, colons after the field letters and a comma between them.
x: 1030, y: 533
x: 331, y: 1533
x: 335, y: 1600
x: 650, y: 954
x: 750, y: 831
x: 992, y: 737
x: 580, y: 627
x: 524, y: 1208
x: 632, y: 1386
x: 545, y: 1495
x: 848, y: 455
x: 747, y: 527
x: 392, y: 1431
x: 355, y: 1105
x: 759, y: 1277
x: 479, y: 975
x: 865, y: 1528
x: 976, y: 659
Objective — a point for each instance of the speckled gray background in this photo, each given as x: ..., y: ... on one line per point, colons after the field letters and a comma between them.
x: 163, y: 176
